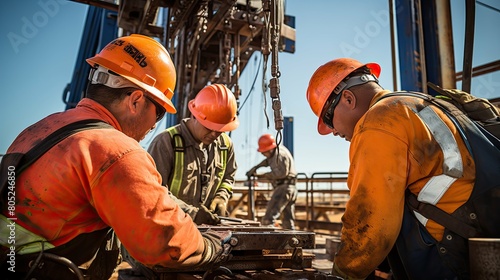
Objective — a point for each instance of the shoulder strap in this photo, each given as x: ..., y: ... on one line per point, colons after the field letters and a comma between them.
x: 57, y: 136
x: 433, y: 212
x: 178, y: 144
x: 449, y: 109
x: 17, y: 162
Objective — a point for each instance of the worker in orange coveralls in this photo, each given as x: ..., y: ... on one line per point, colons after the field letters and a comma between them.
x: 100, y: 179
x: 398, y: 144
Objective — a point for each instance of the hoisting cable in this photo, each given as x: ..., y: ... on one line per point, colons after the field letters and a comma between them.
x: 252, y: 87
x: 274, y: 85
x: 488, y: 6
x: 266, y: 50
x: 270, y: 40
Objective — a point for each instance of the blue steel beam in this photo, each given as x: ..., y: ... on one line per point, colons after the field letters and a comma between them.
x: 419, y: 47
x: 408, y: 45
x: 288, y: 133
x: 100, y: 28
x: 431, y: 43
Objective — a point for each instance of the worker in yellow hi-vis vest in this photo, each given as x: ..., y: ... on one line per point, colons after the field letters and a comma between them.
x: 196, y: 157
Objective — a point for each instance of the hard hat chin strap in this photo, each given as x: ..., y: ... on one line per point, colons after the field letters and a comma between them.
x: 101, y: 75
x: 354, y: 81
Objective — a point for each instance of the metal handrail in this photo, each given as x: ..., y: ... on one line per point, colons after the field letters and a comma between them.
x: 333, y: 177
x: 310, y: 190
x: 307, y: 195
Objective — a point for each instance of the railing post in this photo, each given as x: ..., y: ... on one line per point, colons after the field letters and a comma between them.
x: 251, y: 200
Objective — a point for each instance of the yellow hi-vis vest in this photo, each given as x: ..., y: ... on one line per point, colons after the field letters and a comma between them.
x: 176, y: 181
x: 24, y: 241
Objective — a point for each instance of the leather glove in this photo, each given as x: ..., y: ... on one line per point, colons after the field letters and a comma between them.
x: 251, y: 172
x: 217, y: 248
x: 204, y: 216
x: 219, y: 206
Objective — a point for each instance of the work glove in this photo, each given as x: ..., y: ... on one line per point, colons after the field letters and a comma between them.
x: 219, y: 206
x: 205, y: 216
x: 217, y: 248
x: 251, y: 172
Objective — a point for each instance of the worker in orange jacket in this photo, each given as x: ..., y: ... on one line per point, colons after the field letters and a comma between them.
x: 196, y: 157
x: 398, y: 144
x: 100, y: 179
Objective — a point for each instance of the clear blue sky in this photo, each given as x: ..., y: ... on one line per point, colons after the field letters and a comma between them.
x: 40, y: 41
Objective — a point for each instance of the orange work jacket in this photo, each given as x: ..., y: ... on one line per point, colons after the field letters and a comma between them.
x: 392, y: 150
x: 99, y: 178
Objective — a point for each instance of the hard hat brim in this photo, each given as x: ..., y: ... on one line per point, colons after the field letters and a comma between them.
x: 220, y: 127
x: 268, y: 148
x: 323, y: 129
x: 156, y: 94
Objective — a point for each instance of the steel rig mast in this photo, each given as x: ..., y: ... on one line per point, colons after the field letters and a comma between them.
x: 210, y: 41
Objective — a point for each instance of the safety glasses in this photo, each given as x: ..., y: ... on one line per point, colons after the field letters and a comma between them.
x: 334, y: 98
x: 160, y: 111
x: 330, y: 105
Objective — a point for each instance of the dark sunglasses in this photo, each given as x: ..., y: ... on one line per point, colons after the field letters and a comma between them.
x: 160, y: 111
x: 334, y: 98
x: 330, y: 105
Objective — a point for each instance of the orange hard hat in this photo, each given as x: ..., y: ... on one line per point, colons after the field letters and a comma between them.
x: 215, y: 108
x: 326, y: 79
x: 144, y: 62
x: 266, y: 143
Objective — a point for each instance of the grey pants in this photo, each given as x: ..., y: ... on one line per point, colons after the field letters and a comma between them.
x: 282, y: 201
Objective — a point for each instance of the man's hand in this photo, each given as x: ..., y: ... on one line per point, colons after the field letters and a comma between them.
x: 219, y: 206
x: 205, y: 216
x: 217, y: 248
x: 251, y: 172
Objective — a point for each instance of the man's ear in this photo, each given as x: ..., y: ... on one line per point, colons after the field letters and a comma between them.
x: 349, y: 99
x: 133, y: 100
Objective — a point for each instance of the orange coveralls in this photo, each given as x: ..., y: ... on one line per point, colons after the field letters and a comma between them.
x: 392, y: 150
x: 99, y: 178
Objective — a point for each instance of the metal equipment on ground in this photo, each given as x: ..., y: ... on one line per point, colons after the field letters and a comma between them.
x: 257, y: 253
